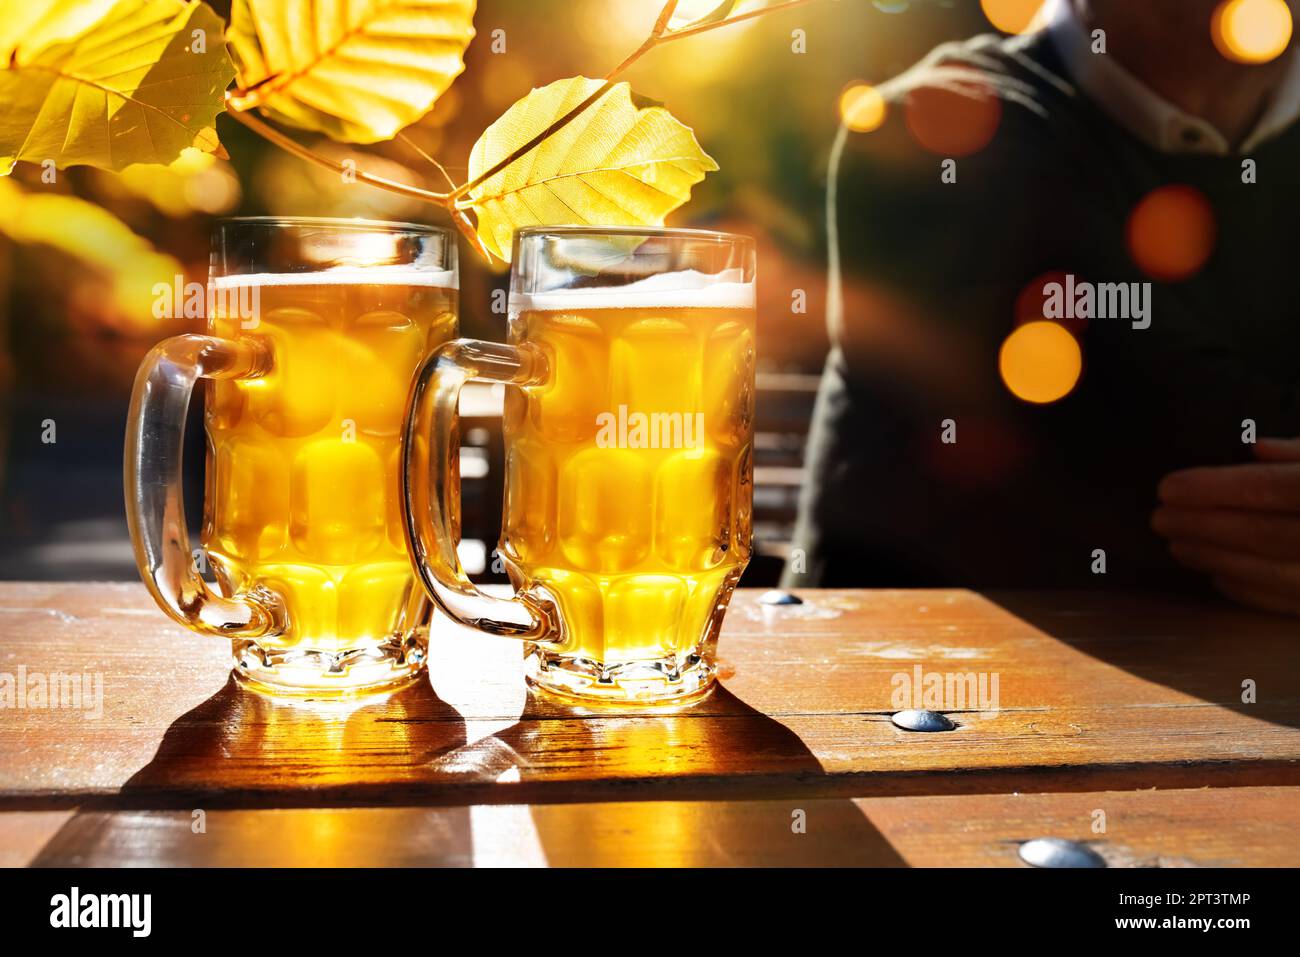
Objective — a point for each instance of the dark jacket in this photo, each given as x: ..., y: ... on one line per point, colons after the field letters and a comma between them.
x: 934, y: 277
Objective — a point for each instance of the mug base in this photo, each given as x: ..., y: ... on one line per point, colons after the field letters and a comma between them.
x: 304, y: 670
x: 671, y: 680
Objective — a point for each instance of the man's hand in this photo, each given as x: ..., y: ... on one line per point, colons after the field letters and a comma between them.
x: 1240, y: 524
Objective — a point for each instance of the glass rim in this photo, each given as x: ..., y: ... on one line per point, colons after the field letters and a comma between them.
x: 649, y: 232
x: 341, y: 223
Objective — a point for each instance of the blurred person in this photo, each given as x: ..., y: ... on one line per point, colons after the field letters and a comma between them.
x: 1005, y: 165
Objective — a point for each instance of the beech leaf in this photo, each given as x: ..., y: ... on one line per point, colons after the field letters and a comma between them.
x: 614, y: 164
x: 358, y: 72
x: 109, y: 83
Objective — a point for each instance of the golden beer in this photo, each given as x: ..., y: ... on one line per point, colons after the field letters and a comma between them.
x: 304, y: 460
x: 629, y: 427
x: 629, y: 471
x: 316, y: 328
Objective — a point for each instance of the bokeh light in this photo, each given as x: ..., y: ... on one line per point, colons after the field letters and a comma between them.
x: 1015, y: 16
x: 862, y: 108
x: 1171, y: 232
x: 1040, y: 362
x: 504, y: 79
x: 613, y: 23
x: 196, y: 182
x: 1251, y: 31
x: 951, y: 122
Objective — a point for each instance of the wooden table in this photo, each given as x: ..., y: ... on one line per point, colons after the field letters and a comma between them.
x: 1122, y: 712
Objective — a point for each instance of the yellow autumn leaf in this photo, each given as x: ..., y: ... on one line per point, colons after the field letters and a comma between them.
x: 103, y: 245
x: 358, y: 71
x: 109, y: 83
x: 615, y: 164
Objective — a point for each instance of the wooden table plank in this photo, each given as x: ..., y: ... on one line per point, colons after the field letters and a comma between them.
x: 1097, y: 692
x: 1234, y: 827
x: 23, y: 834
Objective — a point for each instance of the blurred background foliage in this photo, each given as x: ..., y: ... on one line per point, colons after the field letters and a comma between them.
x: 79, y: 256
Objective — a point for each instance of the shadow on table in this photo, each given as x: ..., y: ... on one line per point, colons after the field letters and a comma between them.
x: 311, y: 762
x: 1201, y: 646
x: 240, y: 743
x: 389, y: 781
x: 720, y: 748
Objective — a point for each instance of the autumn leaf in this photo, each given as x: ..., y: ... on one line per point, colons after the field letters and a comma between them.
x: 358, y: 71
x: 615, y: 164
x: 109, y: 83
x: 103, y: 245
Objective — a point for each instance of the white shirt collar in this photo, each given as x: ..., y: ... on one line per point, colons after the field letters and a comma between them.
x: 1143, y: 112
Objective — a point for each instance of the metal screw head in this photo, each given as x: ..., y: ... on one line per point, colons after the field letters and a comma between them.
x: 1058, y: 852
x: 776, y: 597
x: 917, y: 720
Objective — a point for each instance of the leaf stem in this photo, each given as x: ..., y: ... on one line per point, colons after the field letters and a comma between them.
x: 665, y: 17
x: 424, y: 154
x: 659, y: 34
x: 271, y: 134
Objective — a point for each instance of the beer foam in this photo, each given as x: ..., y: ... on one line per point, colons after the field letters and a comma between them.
x: 672, y: 290
x: 344, y: 276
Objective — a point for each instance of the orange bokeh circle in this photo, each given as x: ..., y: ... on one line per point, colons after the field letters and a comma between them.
x: 1251, y: 31
x: 862, y: 108
x: 1040, y: 362
x: 951, y: 123
x: 1015, y: 16
x: 1171, y: 232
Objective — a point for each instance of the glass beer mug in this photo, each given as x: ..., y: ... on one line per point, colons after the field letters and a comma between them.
x: 629, y: 422
x: 315, y: 330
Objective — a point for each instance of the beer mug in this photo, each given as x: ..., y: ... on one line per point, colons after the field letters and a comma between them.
x: 315, y: 330
x: 629, y: 421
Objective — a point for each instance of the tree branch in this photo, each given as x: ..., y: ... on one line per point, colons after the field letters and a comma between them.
x: 665, y: 17
x: 270, y: 133
x: 657, y: 37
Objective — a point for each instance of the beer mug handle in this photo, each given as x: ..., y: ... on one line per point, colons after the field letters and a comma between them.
x: 431, y: 486
x: 155, y: 511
